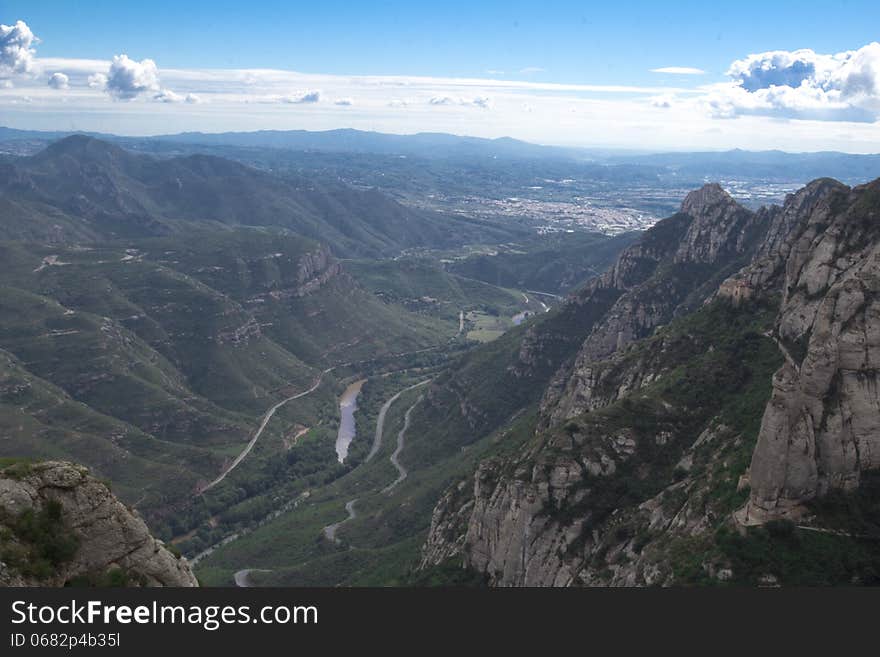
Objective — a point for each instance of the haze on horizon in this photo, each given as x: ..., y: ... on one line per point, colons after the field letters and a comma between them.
x: 633, y: 76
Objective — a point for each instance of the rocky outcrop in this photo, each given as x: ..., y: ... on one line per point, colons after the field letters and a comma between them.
x: 94, y: 534
x: 314, y: 270
x: 764, y: 275
x: 821, y: 429
x: 658, y: 277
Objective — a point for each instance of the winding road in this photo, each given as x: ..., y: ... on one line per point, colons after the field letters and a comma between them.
x: 262, y: 427
x: 395, y: 457
x: 243, y: 577
x: 330, y: 530
x: 380, y: 421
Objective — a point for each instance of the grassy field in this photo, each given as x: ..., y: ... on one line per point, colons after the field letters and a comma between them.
x: 484, y: 327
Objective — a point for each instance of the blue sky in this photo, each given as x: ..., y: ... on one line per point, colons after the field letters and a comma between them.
x: 576, y: 42
x: 424, y: 48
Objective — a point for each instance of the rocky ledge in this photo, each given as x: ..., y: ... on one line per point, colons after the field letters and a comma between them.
x: 60, y: 525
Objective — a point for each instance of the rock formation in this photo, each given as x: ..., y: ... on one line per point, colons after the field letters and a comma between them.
x: 622, y: 487
x: 59, y: 524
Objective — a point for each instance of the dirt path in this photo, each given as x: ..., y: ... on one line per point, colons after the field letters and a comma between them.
x: 784, y: 351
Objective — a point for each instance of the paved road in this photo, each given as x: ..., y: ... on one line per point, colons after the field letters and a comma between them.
x: 395, y: 457
x: 380, y: 422
x: 546, y: 294
x: 262, y: 427
x: 330, y: 530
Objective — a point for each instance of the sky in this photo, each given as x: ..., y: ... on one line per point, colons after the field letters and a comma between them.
x: 683, y: 75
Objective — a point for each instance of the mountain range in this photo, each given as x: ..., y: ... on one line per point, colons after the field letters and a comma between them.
x: 716, y: 421
x: 695, y: 403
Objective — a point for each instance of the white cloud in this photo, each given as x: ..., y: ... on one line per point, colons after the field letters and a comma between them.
x: 127, y: 78
x: 168, y: 96
x: 97, y: 81
x: 59, y: 81
x: 679, y: 70
x: 662, y: 102
x: 479, y: 101
x: 802, y: 84
x: 345, y: 102
x: 303, y: 98
x: 16, y: 52
x: 574, y: 114
x: 531, y: 70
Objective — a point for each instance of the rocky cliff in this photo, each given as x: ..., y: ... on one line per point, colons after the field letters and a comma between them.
x: 60, y: 525
x: 736, y: 336
x: 821, y: 429
x: 668, y: 271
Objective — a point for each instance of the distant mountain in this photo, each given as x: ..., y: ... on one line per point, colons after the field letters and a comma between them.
x: 768, y: 165
x: 423, y: 144
x: 84, y: 188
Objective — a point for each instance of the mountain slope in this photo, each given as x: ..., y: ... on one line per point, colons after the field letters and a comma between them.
x: 153, y: 363
x: 81, y: 186
x: 642, y: 452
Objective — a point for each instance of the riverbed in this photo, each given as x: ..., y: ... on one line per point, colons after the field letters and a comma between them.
x: 347, y: 407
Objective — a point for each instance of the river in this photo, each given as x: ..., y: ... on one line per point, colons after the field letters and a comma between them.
x: 347, y: 407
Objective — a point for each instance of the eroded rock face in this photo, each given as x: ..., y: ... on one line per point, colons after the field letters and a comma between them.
x: 821, y: 428
x: 540, y: 517
x: 108, y: 536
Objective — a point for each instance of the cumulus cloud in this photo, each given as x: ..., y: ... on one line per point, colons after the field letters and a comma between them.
x: 59, y: 81
x: 303, y: 98
x: 168, y: 96
x: 678, y: 70
x: 802, y: 84
x: 128, y: 79
x: 16, y: 51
